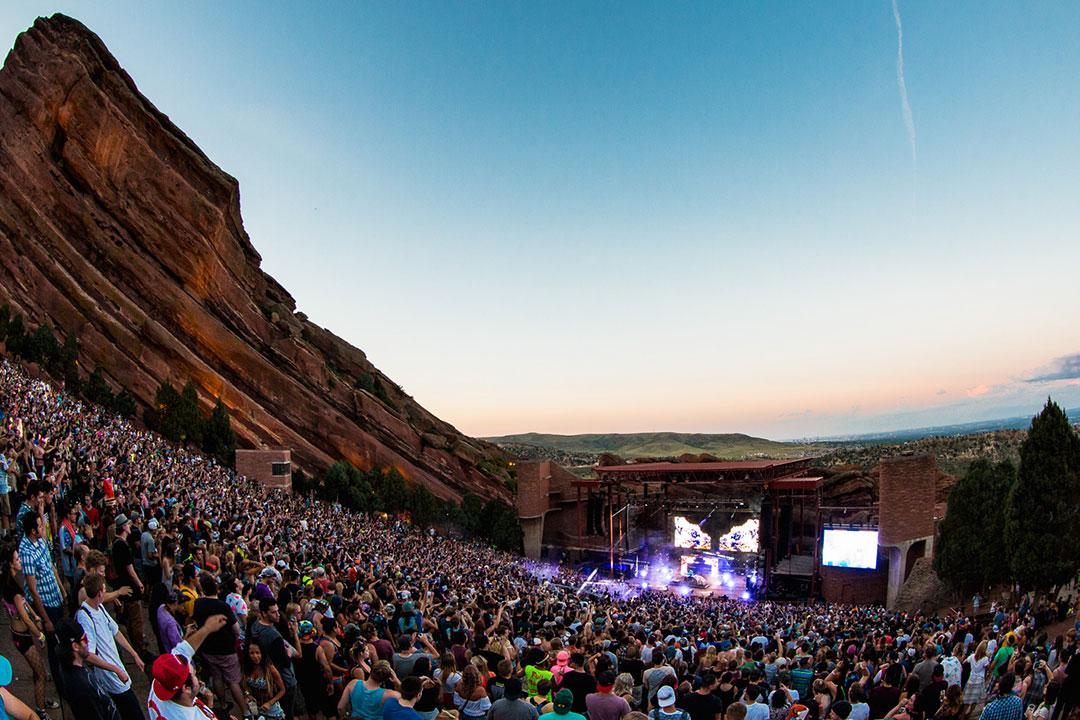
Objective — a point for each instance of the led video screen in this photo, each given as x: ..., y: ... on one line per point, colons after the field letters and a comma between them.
x: 741, y: 539
x: 698, y: 565
x: 688, y: 535
x: 850, y: 548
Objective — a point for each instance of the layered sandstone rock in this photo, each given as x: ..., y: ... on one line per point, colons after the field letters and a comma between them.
x: 116, y: 225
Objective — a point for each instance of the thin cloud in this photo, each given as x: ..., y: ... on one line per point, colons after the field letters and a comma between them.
x: 977, y: 391
x: 1062, y: 368
x: 909, y: 120
x: 942, y: 391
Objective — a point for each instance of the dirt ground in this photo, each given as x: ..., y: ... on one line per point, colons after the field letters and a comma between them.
x: 22, y: 684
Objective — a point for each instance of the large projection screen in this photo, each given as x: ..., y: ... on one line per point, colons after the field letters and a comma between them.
x: 690, y: 536
x: 850, y: 548
x: 742, y: 538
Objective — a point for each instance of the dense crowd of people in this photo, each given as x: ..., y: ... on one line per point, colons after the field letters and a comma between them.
x: 126, y: 554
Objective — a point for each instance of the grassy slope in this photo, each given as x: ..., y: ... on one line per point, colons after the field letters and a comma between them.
x: 660, y: 444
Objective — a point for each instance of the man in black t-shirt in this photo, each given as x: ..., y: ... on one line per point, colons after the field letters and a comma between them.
x: 702, y: 704
x: 578, y: 682
x: 126, y: 576
x: 219, y: 648
x: 86, y: 700
x: 929, y: 698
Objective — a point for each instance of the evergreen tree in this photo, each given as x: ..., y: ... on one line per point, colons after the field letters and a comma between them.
x: 1042, y: 526
x: 219, y: 439
x: 124, y: 403
x: 971, y: 537
x: 16, y: 335
x: 423, y: 505
x: 5, y: 320
x: 97, y: 390
x: 69, y: 363
x: 43, y: 348
x: 472, y: 515
x: 159, y: 416
x: 394, y: 493
x: 188, y: 421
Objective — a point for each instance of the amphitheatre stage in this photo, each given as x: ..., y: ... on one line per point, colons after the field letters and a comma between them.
x: 750, y: 529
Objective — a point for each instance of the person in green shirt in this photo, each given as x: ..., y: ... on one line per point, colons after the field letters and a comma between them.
x: 533, y: 672
x: 564, y: 700
x: 1001, y: 657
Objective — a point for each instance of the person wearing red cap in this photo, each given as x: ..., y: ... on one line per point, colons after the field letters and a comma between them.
x: 604, y: 704
x: 175, y: 688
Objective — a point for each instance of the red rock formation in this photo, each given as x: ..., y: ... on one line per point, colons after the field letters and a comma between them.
x: 115, y: 224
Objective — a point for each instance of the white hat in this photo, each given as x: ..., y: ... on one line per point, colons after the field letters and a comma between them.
x: 666, y: 696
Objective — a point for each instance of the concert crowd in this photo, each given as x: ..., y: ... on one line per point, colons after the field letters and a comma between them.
x: 125, y: 554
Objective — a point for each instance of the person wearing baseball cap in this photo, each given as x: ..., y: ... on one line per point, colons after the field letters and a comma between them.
x: 174, y: 692
x: 604, y: 704
x: 665, y: 698
x: 86, y: 699
x: 511, y: 706
x: 563, y: 703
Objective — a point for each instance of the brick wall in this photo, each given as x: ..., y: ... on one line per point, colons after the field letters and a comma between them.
x: 258, y: 464
x: 850, y: 585
x: 907, y: 486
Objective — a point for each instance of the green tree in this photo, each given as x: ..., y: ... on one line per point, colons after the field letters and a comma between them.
x: 97, y: 390
x: 1042, y: 526
x: 301, y: 483
x: 971, y: 537
x: 124, y: 403
x: 157, y: 415
x: 393, y: 493
x: 335, y: 485
x: 5, y: 320
x: 503, y: 528
x: 188, y: 421
x: 472, y: 519
x: 423, y: 505
x: 43, y: 348
x: 69, y: 363
x: 16, y: 336
x: 219, y: 439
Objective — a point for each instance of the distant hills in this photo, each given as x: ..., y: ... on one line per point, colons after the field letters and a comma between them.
x: 734, y: 446
x: 954, y: 446
x: 1021, y: 422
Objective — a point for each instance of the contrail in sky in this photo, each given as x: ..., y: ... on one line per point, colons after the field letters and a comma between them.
x: 908, y: 119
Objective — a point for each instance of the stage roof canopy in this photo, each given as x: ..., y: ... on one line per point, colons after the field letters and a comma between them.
x: 745, y: 471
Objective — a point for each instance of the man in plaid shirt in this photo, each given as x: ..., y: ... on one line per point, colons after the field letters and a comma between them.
x: 1007, y: 706
x: 43, y: 586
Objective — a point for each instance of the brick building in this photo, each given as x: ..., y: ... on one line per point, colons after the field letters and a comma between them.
x: 270, y: 466
x: 906, y: 491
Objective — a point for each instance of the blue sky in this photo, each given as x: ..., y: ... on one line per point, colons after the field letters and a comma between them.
x: 592, y: 217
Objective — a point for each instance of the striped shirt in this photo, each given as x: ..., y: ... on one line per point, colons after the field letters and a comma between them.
x: 36, y: 562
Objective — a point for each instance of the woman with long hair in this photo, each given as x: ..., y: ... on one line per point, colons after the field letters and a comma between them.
x: 975, y: 690
x: 263, y: 687
x: 624, y: 687
x: 26, y: 626
x: 470, y: 697
x: 952, y: 707
x: 448, y: 677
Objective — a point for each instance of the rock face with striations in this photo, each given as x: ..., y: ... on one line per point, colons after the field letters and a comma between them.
x: 115, y: 225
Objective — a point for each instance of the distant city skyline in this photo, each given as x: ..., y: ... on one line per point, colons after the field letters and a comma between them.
x: 628, y: 217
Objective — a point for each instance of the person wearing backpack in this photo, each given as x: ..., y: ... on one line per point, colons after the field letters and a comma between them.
x: 665, y: 698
